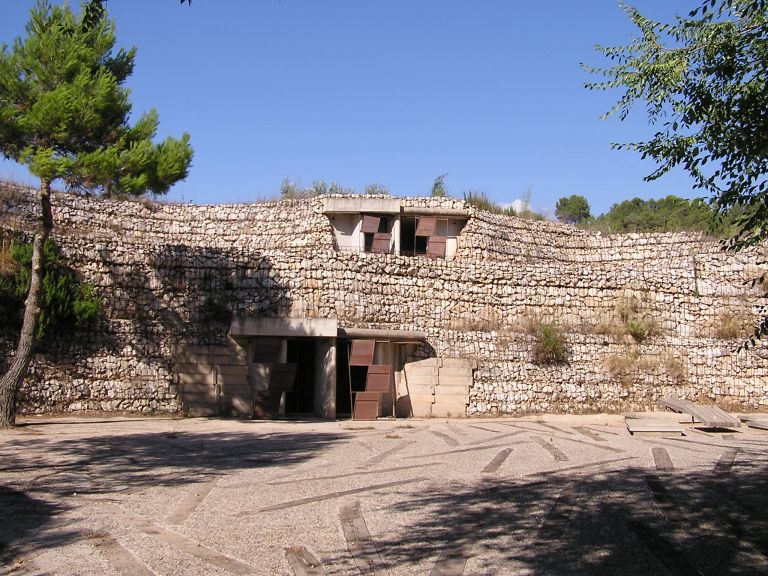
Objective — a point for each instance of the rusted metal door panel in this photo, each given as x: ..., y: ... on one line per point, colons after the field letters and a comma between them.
x: 436, y: 247
x: 426, y: 226
x: 378, y: 378
x: 366, y: 406
x: 370, y: 224
x: 362, y: 352
x: 381, y: 242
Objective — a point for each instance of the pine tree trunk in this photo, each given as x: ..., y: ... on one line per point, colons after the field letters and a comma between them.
x: 11, y: 381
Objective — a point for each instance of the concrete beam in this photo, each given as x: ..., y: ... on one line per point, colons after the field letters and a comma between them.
x: 360, y: 204
x: 382, y: 334
x: 446, y: 212
x: 245, y: 326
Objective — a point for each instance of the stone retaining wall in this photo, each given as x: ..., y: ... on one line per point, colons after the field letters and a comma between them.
x: 170, y: 274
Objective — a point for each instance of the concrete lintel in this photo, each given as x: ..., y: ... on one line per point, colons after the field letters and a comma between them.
x: 361, y: 204
x: 243, y: 326
x: 445, y: 212
x: 382, y: 334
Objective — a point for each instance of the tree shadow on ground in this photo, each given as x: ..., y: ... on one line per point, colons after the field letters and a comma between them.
x: 626, y: 522
x: 23, y: 517
x: 131, y: 462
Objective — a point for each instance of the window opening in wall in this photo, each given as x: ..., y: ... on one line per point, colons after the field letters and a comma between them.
x: 423, y: 236
x: 376, y: 233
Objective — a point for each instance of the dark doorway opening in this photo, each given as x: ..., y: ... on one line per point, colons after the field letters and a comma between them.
x: 343, y: 401
x: 301, y: 400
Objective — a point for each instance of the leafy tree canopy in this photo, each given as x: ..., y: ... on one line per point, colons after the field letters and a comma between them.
x: 64, y: 110
x: 668, y: 214
x: 702, y: 81
x: 573, y: 209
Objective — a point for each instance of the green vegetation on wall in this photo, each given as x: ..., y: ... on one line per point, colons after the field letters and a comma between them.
x: 66, y: 303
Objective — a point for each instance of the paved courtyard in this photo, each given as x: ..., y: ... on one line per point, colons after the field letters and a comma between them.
x: 547, y: 495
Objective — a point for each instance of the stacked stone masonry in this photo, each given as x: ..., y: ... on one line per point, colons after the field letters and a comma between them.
x: 170, y: 275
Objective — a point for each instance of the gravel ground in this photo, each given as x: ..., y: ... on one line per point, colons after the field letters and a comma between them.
x: 547, y: 495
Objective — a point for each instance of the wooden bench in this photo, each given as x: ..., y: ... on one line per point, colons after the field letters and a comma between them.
x: 707, y: 416
x: 761, y: 423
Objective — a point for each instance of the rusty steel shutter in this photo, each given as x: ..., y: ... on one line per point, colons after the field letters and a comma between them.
x: 426, y: 226
x: 362, y: 352
x: 377, y: 379
x: 381, y: 242
x: 370, y: 224
x: 366, y: 406
x: 436, y: 247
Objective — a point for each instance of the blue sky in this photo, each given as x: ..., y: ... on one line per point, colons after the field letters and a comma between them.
x: 395, y: 92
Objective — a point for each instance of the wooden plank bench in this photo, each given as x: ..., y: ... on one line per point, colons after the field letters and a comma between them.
x: 650, y: 427
x: 755, y: 422
x: 707, y: 416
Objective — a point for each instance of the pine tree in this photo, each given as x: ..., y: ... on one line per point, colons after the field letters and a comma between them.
x: 64, y: 113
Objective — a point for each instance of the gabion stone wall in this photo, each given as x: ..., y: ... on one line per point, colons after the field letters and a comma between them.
x: 170, y: 275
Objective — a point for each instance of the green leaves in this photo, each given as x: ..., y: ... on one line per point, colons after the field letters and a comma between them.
x: 573, y: 209
x: 65, y: 302
x: 64, y: 110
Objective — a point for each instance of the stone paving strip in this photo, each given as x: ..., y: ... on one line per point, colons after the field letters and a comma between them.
x: 191, y: 502
x: 557, y: 517
x: 664, y: 500
x: 592, y: 444
x: 496, y: 438
x: 588, y: 434
x: 483, y: 428
x: 121, y: 558
x: 359, y: 542
x: 557, y: 454
x: 497, y: 461
x: 673, y: 560
x: 354, y: 474
x: 661, y: 459
x: 551, y: 427
x: 578, y: 467
x: 725, y: 463
x: 330, y: 496
x: 303, y: 563
x: 178, y: 541
x: 464, y: 450
x: 676, y: 446
x: 445, y: 438
x: 379, y: 458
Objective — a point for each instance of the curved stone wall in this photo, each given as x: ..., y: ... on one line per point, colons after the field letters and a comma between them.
x: 168, y: 274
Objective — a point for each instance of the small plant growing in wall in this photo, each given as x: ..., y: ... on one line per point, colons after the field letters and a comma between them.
x: 634, y: 322
x: 550, y: 344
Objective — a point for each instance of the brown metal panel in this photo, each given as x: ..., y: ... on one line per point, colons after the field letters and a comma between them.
x: 381, y: 242
x: 366, y: 406
x: 436, y: 247
x: 362, y: 352
x: 378, y: 378
x: 283, y: 377
x: 426, y: 226
x: 370, y: 224
x: 266, y: 403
